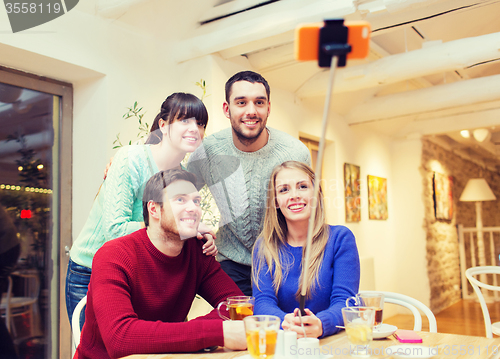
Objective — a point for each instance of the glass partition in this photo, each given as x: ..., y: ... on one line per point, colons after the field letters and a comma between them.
x: 31, y: 201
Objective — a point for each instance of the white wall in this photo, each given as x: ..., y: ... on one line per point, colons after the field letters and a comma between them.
x: 408, y: 232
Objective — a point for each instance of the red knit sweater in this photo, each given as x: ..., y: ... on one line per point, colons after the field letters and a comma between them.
x: 138, y: 299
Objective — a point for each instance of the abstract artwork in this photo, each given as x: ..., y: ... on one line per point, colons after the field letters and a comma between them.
x: 377, y: 197
x: 443, y: 196
x: 352, y: 193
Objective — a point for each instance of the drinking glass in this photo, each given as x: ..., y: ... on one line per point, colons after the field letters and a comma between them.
x: 239, y: 307
x: 358, y: 322
x: 372, y: 300
x: 261, y: 332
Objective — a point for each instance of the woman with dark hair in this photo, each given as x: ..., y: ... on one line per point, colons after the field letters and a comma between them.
x: 278, y: 256
x: 117, y: 209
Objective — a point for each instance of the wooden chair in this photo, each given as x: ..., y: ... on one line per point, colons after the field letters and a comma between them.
x: 413, y: 305
x: 491, y: 328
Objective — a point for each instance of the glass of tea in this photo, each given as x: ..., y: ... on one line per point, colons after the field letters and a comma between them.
x: 358, y: 322
x: 261, y: 332
x: 373, y: 300
x: 239, y: 307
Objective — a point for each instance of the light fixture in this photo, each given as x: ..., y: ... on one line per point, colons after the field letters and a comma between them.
x: 40, y: 166
x: 481, y: 134
x: 477, y: 190
x: 465, y: 133
x: 20, y: 168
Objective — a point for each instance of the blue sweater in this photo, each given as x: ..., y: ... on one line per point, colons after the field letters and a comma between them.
x: 338, y: 280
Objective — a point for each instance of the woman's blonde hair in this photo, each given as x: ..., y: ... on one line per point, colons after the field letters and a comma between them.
x: 274, y: 236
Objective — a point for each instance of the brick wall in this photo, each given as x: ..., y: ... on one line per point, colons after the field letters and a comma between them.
x: 442, y: 240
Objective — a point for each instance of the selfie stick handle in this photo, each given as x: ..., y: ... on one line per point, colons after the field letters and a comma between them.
x: 317, y: 176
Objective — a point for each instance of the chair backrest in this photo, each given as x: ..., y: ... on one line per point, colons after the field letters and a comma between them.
x: 477, y: 285
x: 413, y: 305
x: 75, y: 321
x: 5, y: 305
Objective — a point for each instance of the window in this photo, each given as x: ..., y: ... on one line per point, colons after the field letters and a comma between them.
x: 313, y: 147
x: 35, y: 190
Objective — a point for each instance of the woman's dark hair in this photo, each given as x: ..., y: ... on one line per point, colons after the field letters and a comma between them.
x: 178, y: 105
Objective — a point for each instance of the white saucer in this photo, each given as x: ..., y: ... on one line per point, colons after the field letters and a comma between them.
x: 411, y: 351
x: 384, y: 331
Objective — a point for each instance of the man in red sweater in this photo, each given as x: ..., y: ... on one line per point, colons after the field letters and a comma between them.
x: 143, y: 284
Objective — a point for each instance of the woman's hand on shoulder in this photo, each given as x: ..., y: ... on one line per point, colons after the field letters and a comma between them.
x: 207, y: 234
x: 312, y: 324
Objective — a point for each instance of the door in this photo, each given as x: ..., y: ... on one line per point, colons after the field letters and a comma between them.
x: 35, y: 190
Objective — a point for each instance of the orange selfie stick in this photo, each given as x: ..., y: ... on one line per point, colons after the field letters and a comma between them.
x: 331, y: 43
x: 311, y: 39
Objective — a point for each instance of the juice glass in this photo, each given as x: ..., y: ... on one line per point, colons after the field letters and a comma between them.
x: 358, y: 323
x: 261, y: 332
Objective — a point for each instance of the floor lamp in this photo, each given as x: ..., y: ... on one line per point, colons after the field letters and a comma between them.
x: 477, y: 190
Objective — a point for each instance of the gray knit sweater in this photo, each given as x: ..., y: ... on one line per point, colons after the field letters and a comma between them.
x: 238, y: 182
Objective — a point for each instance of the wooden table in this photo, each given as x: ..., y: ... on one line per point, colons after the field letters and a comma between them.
x: 447, y: 346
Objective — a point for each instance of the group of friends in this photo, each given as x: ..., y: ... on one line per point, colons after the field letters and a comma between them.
x: 144, y: 254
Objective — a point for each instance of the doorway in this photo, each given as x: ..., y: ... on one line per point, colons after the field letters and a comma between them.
x: 35, y: 192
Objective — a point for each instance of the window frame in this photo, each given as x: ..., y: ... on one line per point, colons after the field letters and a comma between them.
x: 60, y: 337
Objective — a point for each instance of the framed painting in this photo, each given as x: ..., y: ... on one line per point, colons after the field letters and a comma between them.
x: 443, y: 196
x: 352, y: 193
x: 377, y: 198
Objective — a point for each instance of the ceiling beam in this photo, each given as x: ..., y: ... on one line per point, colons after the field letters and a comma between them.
x: 450, y: 56
x: 465, y: 153
x: 241, y: 33
x: 258, y: 24
x: 445, y: 124
x: 418, y: 102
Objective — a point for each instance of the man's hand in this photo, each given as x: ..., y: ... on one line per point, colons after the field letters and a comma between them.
x: 312, y: 324
x: 206, y: 233
x: 234, y: 334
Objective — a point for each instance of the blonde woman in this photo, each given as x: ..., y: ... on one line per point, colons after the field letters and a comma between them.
x: 278, y: 256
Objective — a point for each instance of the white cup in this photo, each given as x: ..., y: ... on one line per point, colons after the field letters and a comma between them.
x: 290, y: 344
x: 308, y: 348
x: 280, y: 344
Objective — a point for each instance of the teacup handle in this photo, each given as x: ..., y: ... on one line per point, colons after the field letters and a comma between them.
x: 347, y: 301
x: 218, y: 311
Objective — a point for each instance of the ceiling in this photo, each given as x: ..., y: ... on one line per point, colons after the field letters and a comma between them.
x: 427, y: 30
x: 433, y: 68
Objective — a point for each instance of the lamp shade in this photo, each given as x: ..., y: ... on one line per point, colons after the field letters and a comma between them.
x: 477, y: 189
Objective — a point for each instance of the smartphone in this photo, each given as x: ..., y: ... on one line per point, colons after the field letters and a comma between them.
x: 407, y: 336
x: 307, y: 39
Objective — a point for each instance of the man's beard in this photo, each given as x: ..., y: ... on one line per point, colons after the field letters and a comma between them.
x: 247, y: 141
